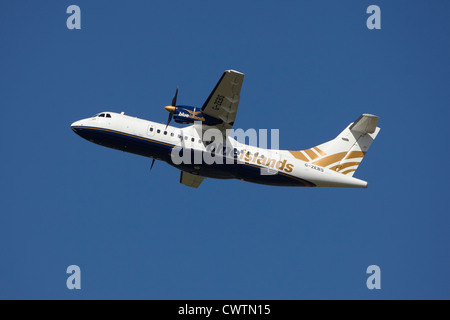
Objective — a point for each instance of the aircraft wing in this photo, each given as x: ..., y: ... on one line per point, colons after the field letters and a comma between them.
x: 223, y: 101
x: 190, y: 180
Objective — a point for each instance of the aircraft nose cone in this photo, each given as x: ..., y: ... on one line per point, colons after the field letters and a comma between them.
x: 75, y: 125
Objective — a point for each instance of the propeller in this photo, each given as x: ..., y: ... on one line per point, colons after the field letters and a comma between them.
x: 153, y: 162
x: 171, y: 108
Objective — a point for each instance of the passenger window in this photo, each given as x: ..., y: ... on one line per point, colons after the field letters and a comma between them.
x: 192, y: 139
x: 171, y: 134
x: 165, y: 133
x: 199, y: 141
x: 151, y: 129
x: 185, y: 137
x: 158, y: 131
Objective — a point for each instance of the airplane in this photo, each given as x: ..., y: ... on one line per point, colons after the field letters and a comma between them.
x: 330, y: 164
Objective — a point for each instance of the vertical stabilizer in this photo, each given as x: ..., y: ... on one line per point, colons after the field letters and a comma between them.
x: 344, y: 153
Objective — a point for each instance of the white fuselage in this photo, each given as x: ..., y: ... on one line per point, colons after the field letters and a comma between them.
x: 259, y: 165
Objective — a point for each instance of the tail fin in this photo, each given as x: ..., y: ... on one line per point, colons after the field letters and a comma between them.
x: 344, y: 153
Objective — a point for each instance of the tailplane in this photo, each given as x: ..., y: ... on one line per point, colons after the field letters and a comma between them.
x: 344, y: 153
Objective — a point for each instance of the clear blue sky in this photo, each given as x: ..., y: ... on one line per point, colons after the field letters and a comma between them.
x: 311, y: 68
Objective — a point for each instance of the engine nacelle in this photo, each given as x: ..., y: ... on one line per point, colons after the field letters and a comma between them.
x: 187, y: 114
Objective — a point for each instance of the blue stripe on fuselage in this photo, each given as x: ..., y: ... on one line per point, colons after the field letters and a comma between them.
x: 126, y: 142
x: 161, y: 150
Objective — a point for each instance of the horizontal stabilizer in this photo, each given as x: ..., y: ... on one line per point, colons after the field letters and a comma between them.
x: 366, y: 123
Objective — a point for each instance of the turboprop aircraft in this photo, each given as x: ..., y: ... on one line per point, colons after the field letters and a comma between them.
x: 200, y: 154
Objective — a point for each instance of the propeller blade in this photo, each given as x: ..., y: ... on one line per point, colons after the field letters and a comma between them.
x: 174, y: 99
x: 171, y: 108
x: 170, y: 119
x: 153, y: 162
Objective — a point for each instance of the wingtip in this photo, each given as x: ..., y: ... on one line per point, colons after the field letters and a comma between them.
x: 233, y: 71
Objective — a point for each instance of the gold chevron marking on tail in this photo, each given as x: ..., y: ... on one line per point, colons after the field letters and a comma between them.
x: 323, y: 162
x: 336, y: 167
x: 319, y: 151
x: 328, y: 160
x: 344, y: 165
x: 311, y: 154
x: 354, y: 154
x: 299, y: 155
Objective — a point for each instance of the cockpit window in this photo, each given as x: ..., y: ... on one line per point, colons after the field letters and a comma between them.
x: 108, y: 115
x: 101, y: 115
